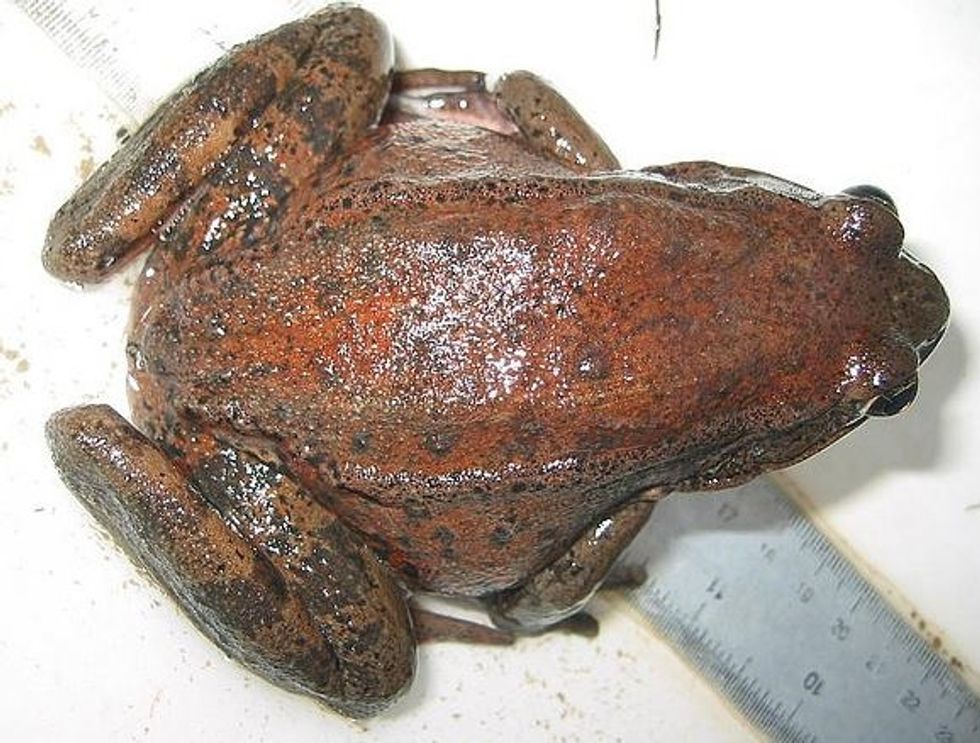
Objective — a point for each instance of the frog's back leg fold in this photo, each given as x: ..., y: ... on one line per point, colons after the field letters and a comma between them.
x: 562, y: 588
x: 277, y: 581
x: 520, y: 104
x: 326, y: 75
x: 551, y: 125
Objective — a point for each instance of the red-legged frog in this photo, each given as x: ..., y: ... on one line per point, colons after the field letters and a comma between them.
x: 405, y: 333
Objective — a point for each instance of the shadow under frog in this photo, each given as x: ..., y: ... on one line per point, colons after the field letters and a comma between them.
x: 401, y: 333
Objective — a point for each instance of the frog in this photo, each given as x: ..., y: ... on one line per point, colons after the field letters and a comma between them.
x: 403, y: 332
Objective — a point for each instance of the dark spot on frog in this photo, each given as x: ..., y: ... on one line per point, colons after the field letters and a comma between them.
x: 311, y: 109
x: 361, y: 442
x: 592, y: 362
x: 221, y: 378
x: 409, y: 570
x: 445, y: 537
x: 417, y: 509
x: 501, y: 535
x: 676, y: 251
x: 440, y: 441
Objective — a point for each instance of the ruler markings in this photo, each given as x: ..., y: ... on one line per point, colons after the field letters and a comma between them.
x: 830, y: 658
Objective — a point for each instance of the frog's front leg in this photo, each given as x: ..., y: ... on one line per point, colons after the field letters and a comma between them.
x: 562, y: 588
x: 275, y: 579
x: 234, y: 142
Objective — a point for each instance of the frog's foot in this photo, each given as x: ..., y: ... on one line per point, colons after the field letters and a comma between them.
x: 239, y: 136
x: 559, y: 591
x: 519, y: 104
x: 275, y: 579
x: 431, y: 626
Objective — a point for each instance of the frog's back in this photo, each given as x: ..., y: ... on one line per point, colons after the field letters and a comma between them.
x: 477, y: 353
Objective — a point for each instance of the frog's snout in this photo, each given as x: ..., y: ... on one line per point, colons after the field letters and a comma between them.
x: 920, y: 306
x: 885, y: 376
x: 920, y: 313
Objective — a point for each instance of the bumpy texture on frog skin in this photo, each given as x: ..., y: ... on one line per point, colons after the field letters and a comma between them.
x: 384, y: 345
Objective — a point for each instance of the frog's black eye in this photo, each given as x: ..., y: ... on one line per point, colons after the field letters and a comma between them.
x: 892, y: 403
x: 866, y: 191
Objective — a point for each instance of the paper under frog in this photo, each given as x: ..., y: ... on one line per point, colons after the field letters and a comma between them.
x: 402, y: 333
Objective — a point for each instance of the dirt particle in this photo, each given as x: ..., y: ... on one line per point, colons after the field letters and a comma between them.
x: 22, y: 366
x: 85, y: 168
x: 41, y: 146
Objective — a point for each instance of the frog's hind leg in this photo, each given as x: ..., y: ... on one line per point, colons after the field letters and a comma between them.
x: 242, y: 134
x: 519, y: 104
x: 557, y: 593
x: 275, y: 579
x: 551, y: 125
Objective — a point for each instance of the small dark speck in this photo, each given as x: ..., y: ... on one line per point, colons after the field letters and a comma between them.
x: 446, y: 538
x: 440, y: 442
x: 973, y: 507
x: 501, y: 535
x: 361, y: 441
x: 444, y: 535
x: 122, y: 135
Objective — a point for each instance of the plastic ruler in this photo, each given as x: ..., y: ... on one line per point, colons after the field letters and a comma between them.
x: 741, y: 583
x: 765, y: 607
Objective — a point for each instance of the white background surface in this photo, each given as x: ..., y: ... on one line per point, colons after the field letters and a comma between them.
x: 828, y: 94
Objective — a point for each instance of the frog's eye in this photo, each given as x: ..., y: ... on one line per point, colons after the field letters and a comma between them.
x: 866, y: 191
x: 893, y: 402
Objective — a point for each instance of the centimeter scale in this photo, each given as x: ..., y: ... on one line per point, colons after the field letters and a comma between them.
x: 765, y: 607
x: 740, y: 583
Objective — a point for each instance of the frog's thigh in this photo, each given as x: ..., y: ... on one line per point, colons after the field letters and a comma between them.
x: 111, y: 216
x: 550, y: 124
x: 310, y: 608
x: 564, y: 586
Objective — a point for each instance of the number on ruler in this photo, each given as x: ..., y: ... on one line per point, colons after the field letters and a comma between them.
x: 813, y: 683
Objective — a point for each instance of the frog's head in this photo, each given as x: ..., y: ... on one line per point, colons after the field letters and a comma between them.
x: 882, y: 380
x: 871, y: 315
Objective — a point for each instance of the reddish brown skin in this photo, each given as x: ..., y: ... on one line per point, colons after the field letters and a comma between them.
x: 459, y: 352
x: 369, y: 344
